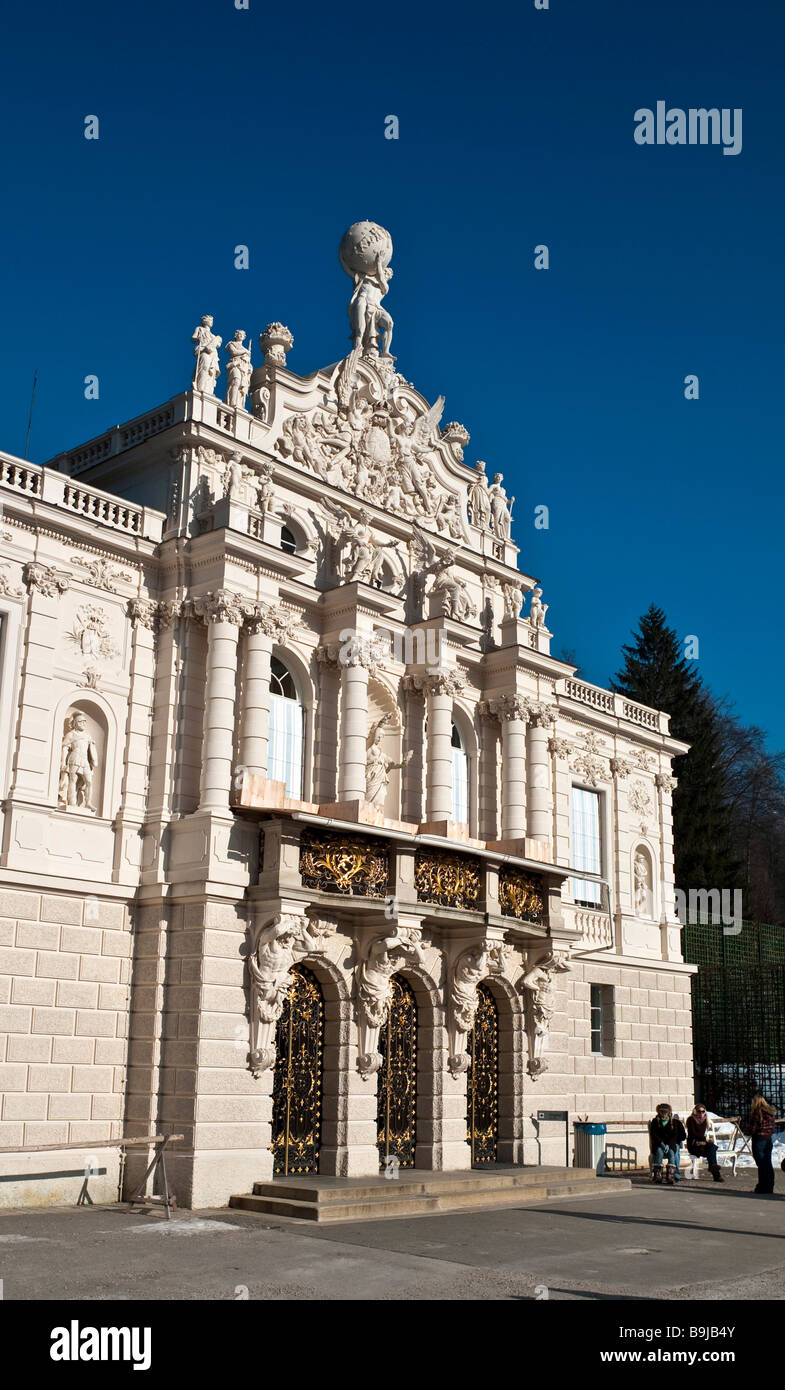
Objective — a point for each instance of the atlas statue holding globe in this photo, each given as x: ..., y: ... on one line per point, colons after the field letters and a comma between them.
x: 365, y: 254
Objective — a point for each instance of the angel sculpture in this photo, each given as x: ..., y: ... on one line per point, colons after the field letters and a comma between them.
x: 378, y: 765
x: 415, y: 439
x: 363, y: 550
x: 454, y: 591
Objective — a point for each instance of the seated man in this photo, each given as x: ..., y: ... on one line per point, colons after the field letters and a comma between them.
x: 666, y: 1135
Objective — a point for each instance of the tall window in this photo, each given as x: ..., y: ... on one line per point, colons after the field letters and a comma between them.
x: 586, y: 845
x: 460, y: 779
x: 285, y: 763
x: 602, y: 1020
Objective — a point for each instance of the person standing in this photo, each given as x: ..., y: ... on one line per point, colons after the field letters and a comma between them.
x: 666, y: 1134
x: 701, y: 1142
x: 760, y: 1128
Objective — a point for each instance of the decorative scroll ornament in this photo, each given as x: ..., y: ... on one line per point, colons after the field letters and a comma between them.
x: 589, y: 761
x: 449, y: 880
x: 471, y: 967
x: 335, y: 863
x: 100, y: 574
x: 274, y: 950
x: 521, y: 895
x: 373, y: 980
x: 7, y: 588
x: 540, y: 984
x: 641, y: 759
x: 45, y: 579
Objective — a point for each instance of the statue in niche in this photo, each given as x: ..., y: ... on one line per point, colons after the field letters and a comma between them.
x: 378, y: 765
x: 78, y: 763
x: 642, y: 885
x: 206, y: 353
x: 365, y: 254
x: 263, y: 404
x: 238, y: 371
x: 501, y: 508
x: 537, y: 609
x: 479, y: 501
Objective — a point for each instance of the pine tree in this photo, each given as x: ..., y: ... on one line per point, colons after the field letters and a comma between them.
x: 656, y: 673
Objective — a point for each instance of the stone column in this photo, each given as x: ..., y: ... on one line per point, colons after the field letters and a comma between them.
x: 223, y: 613
x: 513, y: 713
x: 256, y: 701
x: 441, y: 688
x: 32, y: 753
x: 354, y: 725
x: 539, y: 796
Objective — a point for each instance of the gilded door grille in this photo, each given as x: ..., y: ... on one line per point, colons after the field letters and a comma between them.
x: 397, y: 1095
x: 297, y: 1084
x: 482, y: 1118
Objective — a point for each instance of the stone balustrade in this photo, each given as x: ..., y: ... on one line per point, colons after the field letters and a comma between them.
x: 101, y: 508
x: 615, y: 705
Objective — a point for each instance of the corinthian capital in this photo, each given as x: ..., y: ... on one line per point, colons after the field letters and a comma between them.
x: 222, y: 606
x: 443, y: 683
x: 263, y: 617
x: 508, y: 708
x: 541, y: 716
x: 143, y: 612
x: 45, y: 578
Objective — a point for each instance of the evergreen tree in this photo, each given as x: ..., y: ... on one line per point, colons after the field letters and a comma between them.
x: 656, y: 673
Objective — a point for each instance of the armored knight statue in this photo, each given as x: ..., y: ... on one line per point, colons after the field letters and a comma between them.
x: 365, y: 254
x: 78, y: 762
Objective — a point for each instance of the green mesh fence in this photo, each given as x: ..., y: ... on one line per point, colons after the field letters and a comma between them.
x: 738, y: 1014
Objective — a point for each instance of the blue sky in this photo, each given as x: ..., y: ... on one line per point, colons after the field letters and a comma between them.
x: 266, y: 127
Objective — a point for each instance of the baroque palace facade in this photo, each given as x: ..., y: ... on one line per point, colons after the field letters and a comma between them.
x: 312, y: 852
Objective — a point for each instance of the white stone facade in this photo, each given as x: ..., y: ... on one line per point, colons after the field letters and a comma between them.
x: 154, y: 586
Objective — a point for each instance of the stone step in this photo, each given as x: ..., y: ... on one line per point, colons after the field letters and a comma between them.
x: 327, y: 1190
x: 361, y: 1203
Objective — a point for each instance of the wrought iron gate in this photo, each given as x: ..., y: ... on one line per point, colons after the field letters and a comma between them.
x: 397, y: 1095
x: 482, y: 1119
x: 297, y: 1085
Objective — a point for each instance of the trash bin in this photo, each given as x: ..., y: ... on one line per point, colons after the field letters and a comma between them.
x: 590, y: 1146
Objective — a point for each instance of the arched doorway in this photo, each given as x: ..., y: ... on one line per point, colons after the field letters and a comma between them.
x: 297, y: 1083
x: 482, y: 1117
x: 397, y: 1094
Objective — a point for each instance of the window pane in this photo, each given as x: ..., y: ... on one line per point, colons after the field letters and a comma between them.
x: 460, y: 780
x: 286, y: 744
x: 586, y: 848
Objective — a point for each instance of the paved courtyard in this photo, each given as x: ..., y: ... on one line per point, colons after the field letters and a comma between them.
x: 698, y: 1241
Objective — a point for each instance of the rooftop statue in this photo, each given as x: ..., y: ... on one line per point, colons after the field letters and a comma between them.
x: 365, y: 254
x: 206, y: 354
x: 238, y: 371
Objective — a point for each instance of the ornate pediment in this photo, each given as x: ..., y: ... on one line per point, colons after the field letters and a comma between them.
x: 375, y: 437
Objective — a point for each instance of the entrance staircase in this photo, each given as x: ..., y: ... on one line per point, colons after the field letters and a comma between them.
x: 417, y: 1193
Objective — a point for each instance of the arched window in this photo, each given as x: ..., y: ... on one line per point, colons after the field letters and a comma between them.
x: 285, y: 762
x: 288, y: 541
x: 460, y: 779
